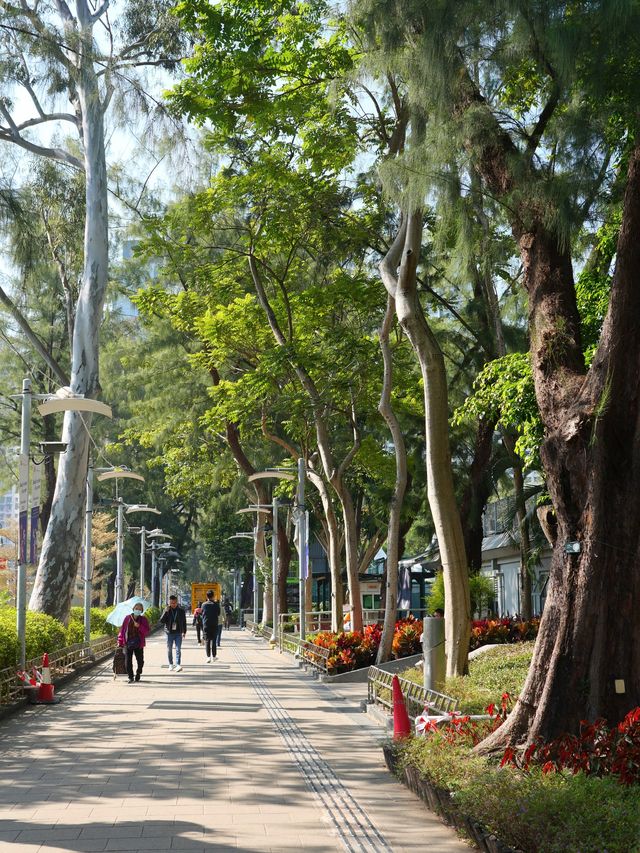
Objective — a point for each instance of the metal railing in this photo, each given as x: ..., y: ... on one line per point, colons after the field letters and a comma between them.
x: 316, y: 656
x: 416, y: 696
x: 61, y: 662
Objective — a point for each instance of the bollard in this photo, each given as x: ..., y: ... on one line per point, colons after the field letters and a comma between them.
x: 435, y: 662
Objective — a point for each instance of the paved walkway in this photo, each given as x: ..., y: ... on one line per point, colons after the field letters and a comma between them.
x: 246, y: 753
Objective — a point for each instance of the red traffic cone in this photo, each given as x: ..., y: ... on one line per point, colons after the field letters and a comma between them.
x: 46, y: 689
x: 401, y: 724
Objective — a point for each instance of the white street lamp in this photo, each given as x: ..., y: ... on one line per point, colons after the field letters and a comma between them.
x: 155, y: 536
x: 142, y: 531
x: 119, y: 474
x: 303, y: 530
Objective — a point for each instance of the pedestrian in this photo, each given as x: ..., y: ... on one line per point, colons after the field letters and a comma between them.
x: 133, y: 633
x: 228, y: 610
x: 174, y: 620
x: 197, y: 621
x: 210, y: 618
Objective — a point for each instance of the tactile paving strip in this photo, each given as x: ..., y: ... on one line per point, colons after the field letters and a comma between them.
x: 351, y: 823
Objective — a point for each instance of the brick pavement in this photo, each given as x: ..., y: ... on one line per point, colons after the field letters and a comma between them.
x: 213, y: 758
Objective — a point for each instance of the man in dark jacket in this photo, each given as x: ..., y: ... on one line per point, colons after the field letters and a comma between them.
x: 174, y: 620
x: 210, y: 617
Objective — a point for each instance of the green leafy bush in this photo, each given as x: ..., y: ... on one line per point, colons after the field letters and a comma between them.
x: 98, y: 624
x: 153, y: 615
x: 481, y: 592
x: 535, y: 812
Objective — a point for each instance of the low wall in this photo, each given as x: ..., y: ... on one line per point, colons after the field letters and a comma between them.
x: 359, y: 676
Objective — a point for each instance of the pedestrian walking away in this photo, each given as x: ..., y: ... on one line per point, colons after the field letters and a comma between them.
x: 228, y: 610
x: 133, y: 633
x: 174, y: 620
x: 197, y: 621
x: 210, y: 618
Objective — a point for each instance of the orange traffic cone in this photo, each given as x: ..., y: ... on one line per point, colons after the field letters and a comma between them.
x: 46, y: 689
x: 401, y: 724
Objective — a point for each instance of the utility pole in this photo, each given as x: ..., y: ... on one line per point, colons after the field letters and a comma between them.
x: 88, y: 521
x: 274, y: 569
x: 119, y: 596
x: 302, y: 545
x: 21, y: 591
x: 142, y: 559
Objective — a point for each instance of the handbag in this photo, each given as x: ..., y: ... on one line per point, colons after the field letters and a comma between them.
x: 119, y: 662
x: 133, y: 642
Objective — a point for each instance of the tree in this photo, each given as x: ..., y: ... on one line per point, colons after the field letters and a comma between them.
x: 47, y: 53
x: 544, y: 146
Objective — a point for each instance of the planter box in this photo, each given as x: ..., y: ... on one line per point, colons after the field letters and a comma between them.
x: 440, y: 801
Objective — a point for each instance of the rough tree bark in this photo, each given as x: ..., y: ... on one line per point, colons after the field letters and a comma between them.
x: 401, y: 285
x: 585, y: 664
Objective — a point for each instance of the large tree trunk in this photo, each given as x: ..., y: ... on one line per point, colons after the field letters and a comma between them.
x: 395, y: 509
x: 587, y: 658
x: 405, y: 252
x: 56, y: 573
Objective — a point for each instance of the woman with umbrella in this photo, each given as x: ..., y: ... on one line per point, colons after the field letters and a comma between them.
x: 133, y: 632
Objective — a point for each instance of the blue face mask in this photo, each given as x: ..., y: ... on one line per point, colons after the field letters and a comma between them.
x: 137, y: 613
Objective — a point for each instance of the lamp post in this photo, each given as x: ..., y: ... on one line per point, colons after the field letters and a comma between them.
x: 21, y: 591
x: 119, y: 474
x: 265, y: 509
x: 142, y: 531
x: 155, y: 536
x: 62, y: 401
x: 278, y: 474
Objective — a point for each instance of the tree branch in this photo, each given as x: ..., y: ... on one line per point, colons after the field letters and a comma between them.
x: 33, y: 339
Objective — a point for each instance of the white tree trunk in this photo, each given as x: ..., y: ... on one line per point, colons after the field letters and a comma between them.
x: 53, y: 589
x: 395, y: 509
x: 405, y: 252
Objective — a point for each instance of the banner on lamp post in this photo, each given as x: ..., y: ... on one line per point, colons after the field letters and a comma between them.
x: 35, y: 512
x: 23, y: 505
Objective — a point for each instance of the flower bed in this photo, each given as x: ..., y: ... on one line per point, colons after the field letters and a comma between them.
x: 351, y: 650
x: 487, y: 631
x: 576, y: 794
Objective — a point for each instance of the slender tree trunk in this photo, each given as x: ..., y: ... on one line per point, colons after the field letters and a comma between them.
x: 56, y: 573
x: 405, y: 252
x: 476, y: 494
x: 395, y: 508
x: 524, y: 543
x: 351, y: 549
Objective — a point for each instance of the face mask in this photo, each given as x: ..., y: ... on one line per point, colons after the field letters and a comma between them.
x: 137, y: 613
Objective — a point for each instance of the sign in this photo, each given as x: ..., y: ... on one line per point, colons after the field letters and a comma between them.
x: 35, y: 512
x: 23, y: 494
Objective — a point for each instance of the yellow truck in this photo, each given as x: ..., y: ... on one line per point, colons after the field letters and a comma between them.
x: 199, y: 592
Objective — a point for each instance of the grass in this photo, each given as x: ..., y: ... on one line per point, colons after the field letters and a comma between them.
x: 498, y: 671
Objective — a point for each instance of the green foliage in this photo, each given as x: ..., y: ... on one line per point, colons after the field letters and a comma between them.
x: 43, y: 634
x: 491, y: 674
x: 98, y: 625
x: 534, y: 812
x: 503, y: 391
x: 480, y: 589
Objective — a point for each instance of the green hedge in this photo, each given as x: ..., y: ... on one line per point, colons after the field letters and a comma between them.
x: 43, y: 634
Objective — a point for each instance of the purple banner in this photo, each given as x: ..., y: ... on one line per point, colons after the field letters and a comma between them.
x: 23, y: 537
x: 33, y: 537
